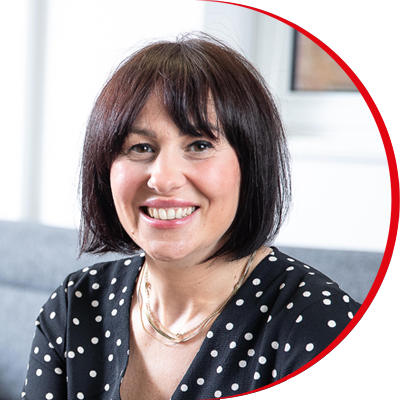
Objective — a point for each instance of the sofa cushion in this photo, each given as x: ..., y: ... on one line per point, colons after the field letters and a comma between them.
x: 18, y: 311
x: 354, y: 271
x: 38, y: 256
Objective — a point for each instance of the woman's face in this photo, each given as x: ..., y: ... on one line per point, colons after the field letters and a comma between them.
x: 175, y: 195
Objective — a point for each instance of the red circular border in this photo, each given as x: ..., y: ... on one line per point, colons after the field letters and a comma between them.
x: 394, y: 183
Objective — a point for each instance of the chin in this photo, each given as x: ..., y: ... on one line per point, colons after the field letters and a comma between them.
x: 165, y: 256
x: 167, y: 251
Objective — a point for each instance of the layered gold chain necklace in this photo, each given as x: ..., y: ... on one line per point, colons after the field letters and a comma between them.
x: 176, y: 338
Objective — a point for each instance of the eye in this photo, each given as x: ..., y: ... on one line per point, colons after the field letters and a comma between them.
x: 200, y: 146
x: 141, y: 148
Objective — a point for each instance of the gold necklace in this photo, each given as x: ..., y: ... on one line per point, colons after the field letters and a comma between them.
x: 177, y: 338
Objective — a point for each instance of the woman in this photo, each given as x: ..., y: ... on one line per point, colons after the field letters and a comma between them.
x: 185, y: 166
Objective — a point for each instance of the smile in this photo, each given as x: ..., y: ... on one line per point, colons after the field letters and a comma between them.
x: 170, y: 213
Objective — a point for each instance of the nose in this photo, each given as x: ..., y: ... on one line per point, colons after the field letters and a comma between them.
x: 166, y: 174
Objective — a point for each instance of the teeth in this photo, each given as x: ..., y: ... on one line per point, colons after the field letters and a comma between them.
x: 162, y: 213
x: 170, y: 213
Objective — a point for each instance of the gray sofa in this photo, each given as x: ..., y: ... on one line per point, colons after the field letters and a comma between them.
x: 36, y: 258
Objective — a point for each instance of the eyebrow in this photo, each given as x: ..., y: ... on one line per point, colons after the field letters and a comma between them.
x: 135, y: 130
x: 143, y: 132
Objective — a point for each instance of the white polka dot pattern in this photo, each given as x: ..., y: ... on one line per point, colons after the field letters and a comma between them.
x: 285, y: 303
x: 184, y: 388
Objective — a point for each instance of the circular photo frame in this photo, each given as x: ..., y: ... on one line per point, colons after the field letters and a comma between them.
x: 345, y: 196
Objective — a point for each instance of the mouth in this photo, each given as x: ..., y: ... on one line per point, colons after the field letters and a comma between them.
x: 169, y: 213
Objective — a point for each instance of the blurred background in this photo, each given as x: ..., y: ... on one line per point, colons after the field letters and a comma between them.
x: 57, y: 55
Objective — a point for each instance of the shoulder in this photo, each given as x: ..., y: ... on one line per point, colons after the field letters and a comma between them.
x: 294, y: 280
x: 284, y: 288
x: 102, y: 276
x: 89, y: 285
x: 90, y: 306
x: 306, y: 309
x: 85, y: 297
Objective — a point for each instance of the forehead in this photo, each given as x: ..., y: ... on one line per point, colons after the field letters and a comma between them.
x: 155, y: 117
x: 152, y: 112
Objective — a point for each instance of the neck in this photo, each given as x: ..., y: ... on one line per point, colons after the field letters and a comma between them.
x: 182, y: 295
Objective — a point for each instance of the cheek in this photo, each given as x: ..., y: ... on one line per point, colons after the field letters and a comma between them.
x: 123, y: 182
x: 222, y: 182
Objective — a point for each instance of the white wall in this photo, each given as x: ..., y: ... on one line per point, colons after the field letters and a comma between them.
x: 13, y: 36
x: 341, y: 184
x: 84, y: 42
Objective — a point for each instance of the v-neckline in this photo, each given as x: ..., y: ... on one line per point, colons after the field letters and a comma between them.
x: 204, y: 343
x: 217, y: 322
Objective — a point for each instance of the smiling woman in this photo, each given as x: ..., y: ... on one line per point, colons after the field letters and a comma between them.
x: 211, y: 94
x: 175, y: 195
x: 185, y: 170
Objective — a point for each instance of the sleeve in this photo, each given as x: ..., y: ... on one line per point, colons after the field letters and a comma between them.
x: 314, y: 329
x: 46, y: 375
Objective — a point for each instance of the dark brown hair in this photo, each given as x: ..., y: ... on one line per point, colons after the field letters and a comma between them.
x: 186, y: 73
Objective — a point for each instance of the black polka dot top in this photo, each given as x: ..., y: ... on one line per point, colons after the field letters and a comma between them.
x: 283, y: 316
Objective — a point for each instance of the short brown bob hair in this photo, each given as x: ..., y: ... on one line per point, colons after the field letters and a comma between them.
x: 186, y: 74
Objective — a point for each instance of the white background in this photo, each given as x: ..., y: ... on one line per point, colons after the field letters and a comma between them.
x: 364, y: 34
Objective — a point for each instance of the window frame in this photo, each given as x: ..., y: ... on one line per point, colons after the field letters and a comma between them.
x: 309, y: 113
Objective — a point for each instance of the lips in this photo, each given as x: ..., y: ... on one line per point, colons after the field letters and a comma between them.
x: 169, y: 213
